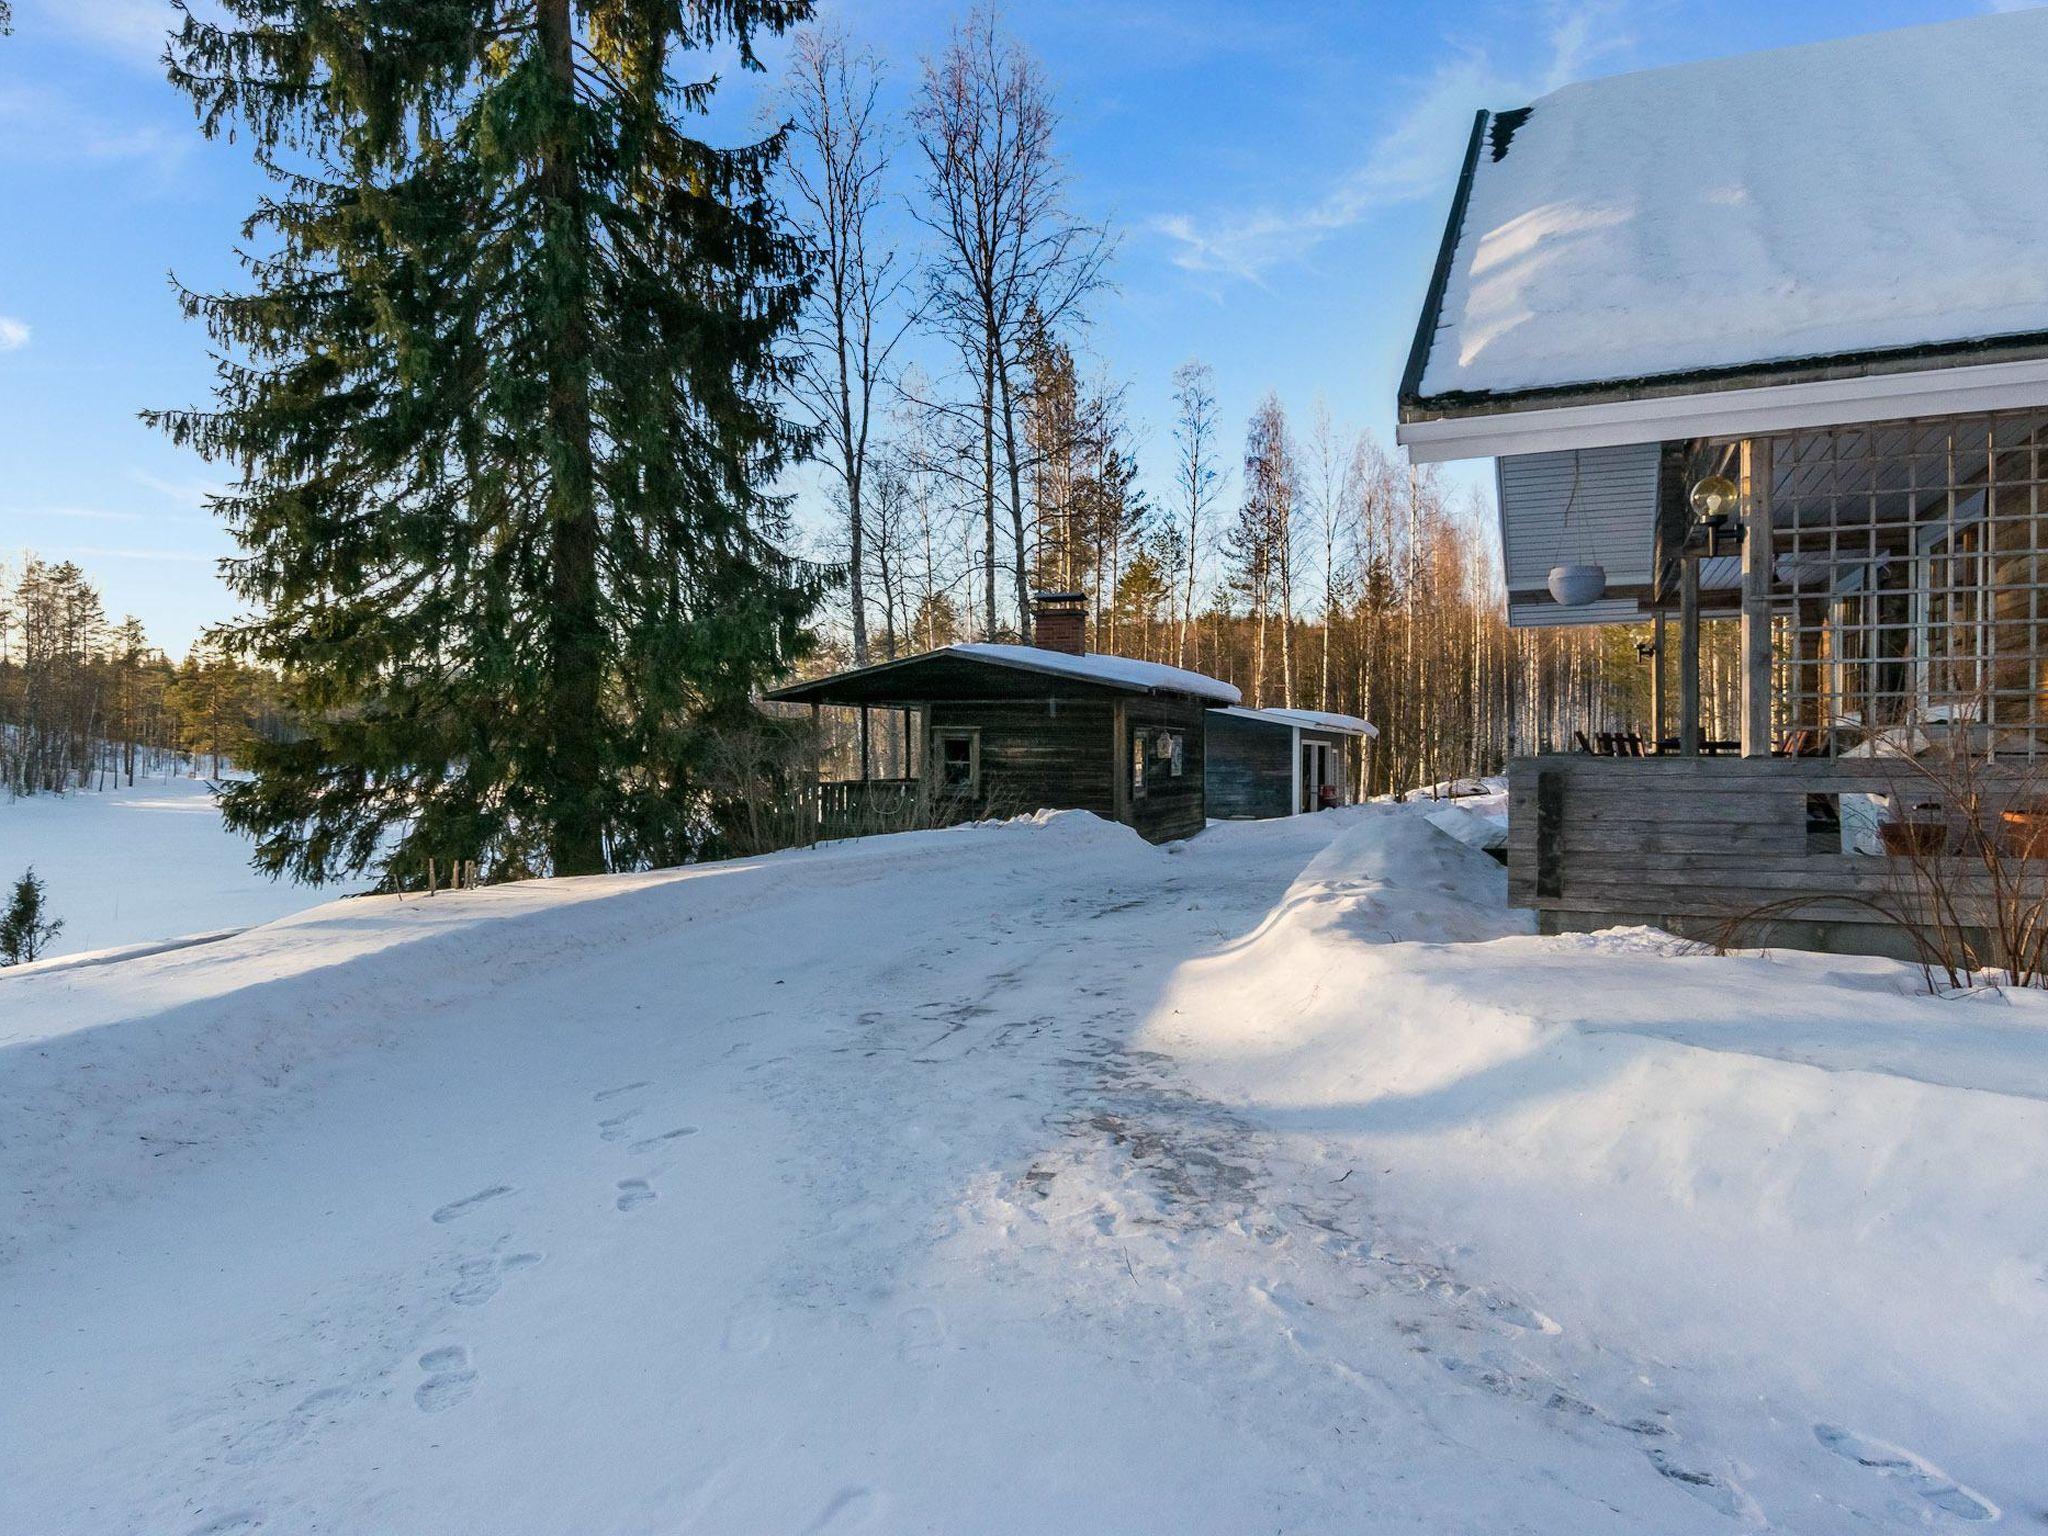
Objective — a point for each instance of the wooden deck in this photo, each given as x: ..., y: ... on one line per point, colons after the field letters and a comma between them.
x: 1687, y: 844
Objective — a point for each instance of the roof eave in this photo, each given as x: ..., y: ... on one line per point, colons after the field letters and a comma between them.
x: 2002, y: 373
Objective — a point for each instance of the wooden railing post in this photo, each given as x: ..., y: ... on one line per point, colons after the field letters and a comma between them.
x: 1657, y: 682
x: 1689, y: 656
x: 1756, y: 597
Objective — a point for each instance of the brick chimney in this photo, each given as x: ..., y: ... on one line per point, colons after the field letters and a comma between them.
x: 1059, y: 622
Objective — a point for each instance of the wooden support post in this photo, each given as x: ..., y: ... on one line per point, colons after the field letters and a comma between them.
x: 1657, y: 682
x: 1549, y: 833
x: 1757, y: 553
x: 1120, y: 761
x: 816, y: 796
x: 865, y: 773
x: 1689, y: 656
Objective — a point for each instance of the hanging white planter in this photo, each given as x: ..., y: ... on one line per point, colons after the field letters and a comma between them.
x: 1574, y: 586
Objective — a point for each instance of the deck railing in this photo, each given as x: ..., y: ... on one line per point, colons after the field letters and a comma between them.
x: 860, y: 807
x: 1836, y: 848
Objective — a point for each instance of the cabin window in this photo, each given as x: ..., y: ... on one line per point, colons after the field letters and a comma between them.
x: 958, y: 757
x: 1156, y: 756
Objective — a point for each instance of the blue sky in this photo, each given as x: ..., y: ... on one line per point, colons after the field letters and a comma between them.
x: 1278, y: 174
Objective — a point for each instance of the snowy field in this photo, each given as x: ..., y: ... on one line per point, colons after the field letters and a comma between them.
x: 131, y: 866
x: 1016, y: 1179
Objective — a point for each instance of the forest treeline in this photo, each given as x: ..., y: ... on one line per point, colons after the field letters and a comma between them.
x: 86, y: 703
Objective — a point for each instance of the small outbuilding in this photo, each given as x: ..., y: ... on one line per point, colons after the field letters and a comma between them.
x: 1262, y: 763
x: 1010, y: 729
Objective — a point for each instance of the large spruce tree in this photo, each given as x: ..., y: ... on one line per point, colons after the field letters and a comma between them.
x: 500, y: 407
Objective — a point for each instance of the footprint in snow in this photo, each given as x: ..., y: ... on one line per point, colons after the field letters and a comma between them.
x: 262, y: 1440
x: 850, y: 1509
x: 634, y: 1193
x: 478, y: 1279
x: 449, y: 1379
x: 649, y: 1143
x: 457, y: 1208
x: 1923, y: 1477
x: 1714, y: 1492
x: 231, y: 1524
x: 619, y: 1126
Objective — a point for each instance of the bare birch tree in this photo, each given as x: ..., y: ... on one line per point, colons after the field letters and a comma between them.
x: 838, y: 168
x: 1197, y: 481
x: 1013, y: 260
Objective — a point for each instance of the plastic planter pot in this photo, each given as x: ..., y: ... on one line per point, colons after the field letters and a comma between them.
x: 1574, y: 586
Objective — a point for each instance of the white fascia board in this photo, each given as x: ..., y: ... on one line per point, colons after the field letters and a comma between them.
x: 1732, y: 413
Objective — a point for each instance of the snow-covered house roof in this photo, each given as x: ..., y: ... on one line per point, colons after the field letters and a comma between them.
x: 1307, y: 720
x: 1875, y: 206
x: 913, y: 677
x: 1112, y: 671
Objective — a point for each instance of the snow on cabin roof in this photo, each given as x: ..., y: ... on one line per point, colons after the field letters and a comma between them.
x: 1309, y: 720
x: 925, y: 675
x: 1114, y: 671
x: 1879, y: 193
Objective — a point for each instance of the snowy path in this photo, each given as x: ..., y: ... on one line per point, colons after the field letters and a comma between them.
x: 1001, y: 1180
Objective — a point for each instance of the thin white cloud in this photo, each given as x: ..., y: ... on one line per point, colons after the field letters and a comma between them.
x: 134, y: 30
x: 14, y: 334
x: 1413, y: 159
x: 191, y: 494
x: 43, y: 126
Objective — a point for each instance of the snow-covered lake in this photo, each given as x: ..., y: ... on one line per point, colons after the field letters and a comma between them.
x: 129, y: 866
x: 1016, y: 1179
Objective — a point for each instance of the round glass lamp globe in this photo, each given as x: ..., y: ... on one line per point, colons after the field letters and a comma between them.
x: 1714, y: 498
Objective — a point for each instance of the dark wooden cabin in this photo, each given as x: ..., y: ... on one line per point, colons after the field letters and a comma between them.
x: 1262, y: 763
x: 1010, y: 729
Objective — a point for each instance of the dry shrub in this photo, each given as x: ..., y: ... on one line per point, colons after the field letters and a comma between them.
x: 1966, y: 870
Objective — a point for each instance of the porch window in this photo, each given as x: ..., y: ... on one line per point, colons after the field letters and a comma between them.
x: 958, y: 756
x: 1908, y: 564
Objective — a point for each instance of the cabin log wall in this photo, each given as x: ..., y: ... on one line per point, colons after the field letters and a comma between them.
x: 1251, y: 772
x: 1170, y: 807
x: 1037, y: 754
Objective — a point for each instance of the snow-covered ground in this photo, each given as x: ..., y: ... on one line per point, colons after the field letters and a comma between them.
x: 129, y: 866
x: 1016, y: 1179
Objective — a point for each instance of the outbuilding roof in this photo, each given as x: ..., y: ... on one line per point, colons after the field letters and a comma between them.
x: 946, y: 671
x: 1871, y: 202
x: 1307, y: 720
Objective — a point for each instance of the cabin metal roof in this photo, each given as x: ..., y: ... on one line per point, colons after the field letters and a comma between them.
x: 991, y: 671
x: 1303, y: 720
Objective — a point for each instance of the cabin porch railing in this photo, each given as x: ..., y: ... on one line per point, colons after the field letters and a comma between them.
x: 1694, y: 844
x: 852, y: 807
